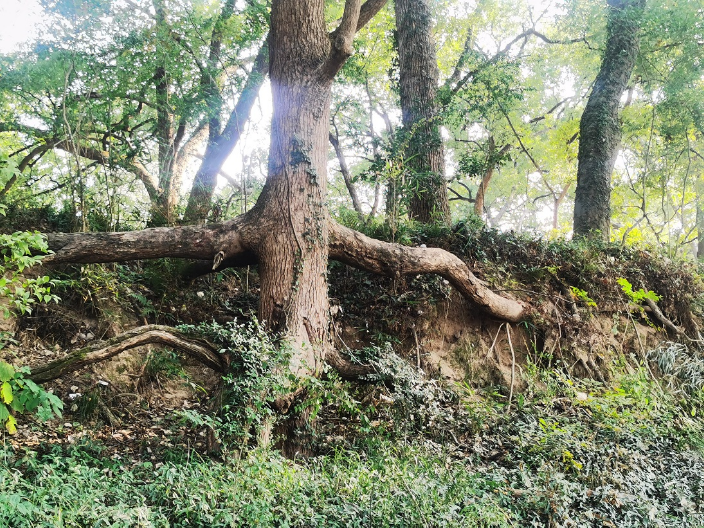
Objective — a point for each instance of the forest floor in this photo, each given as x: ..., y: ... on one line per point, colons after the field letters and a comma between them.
x: 589, y: 414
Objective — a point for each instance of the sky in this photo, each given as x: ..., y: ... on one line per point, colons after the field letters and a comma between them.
x: 18, y: 22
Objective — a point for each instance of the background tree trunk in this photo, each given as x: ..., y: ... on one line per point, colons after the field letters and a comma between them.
x: 600, y: 127
x: 419, y: 75
x: 222, y: 142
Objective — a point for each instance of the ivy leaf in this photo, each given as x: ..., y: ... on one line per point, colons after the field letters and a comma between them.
x: 7, y: 371
x: 6, y: 393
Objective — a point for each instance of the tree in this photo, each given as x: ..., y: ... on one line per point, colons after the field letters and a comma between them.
x: 600, y: 127
x: 418, y: 85
x: 289, y: 232
x: 121, y: 106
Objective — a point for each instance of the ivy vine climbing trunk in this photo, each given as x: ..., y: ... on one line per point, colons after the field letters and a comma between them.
x: 418, y: 84
x: 289, y: 232
x: 600, y: 126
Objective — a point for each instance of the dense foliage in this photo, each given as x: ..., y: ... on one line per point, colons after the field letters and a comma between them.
x: 626, y: 456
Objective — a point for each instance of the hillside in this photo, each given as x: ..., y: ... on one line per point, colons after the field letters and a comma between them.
x: 588, y: 413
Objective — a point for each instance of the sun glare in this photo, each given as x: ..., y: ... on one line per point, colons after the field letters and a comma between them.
x: 19, y: 23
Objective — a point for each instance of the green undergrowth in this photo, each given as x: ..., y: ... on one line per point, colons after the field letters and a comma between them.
x: 567, y: 453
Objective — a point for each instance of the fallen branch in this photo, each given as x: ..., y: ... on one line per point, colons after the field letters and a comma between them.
x: 144, y: 335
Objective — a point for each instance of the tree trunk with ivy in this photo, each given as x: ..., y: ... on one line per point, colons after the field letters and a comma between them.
x: 418, y: 84
x: 600, y: 126
x: 289, y: 232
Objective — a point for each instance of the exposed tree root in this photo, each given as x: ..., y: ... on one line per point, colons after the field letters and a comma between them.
x: 191, y: 242
x: 163, y: 335
x: 236, y: 243
x: 345, y: 368
x: 384, y: 258
x: 662, y: 318
x: 143, y: 335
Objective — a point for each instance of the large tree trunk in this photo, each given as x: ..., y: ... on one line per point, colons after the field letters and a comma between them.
x: 419, y: 75
x: 292, y: 249
x: 600, y: 127
x: 289, y: 232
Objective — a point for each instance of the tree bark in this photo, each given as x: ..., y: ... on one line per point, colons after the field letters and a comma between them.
x: 419, y: 75
x: 600, y: 127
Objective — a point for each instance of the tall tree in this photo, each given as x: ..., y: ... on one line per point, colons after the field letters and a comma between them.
x: 600, y: 126
x: 418, y: 85
x: 289, y: 231
x: 144, y: 98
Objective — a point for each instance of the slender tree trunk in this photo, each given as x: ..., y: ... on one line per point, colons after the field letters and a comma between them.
x: 600, y: 127
x: 556, y: 206
x: 163, y: 207
x: 699, y: 188
x: 346, y: 176
x: 419, y: 76
x: 222, y: 142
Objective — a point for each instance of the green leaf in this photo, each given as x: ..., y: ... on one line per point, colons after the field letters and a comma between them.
x: 11, y: 425
x: 7, y: 371
x: 17, y: 405
x: 6, y: 393
x: 4, y: 412
x: 44, y: 413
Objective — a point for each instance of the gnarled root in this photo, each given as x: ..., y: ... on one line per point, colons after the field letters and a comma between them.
x: 144, y: 335
x: 384, y: 258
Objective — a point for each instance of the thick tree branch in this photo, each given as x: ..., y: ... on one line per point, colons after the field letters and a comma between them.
x: 342, y: 39
x: 144, y: 335
x: 360, y: 251
x: 354, y: 18
x: 368, y: 11
x: 343, y: 36
x: 232, y: 238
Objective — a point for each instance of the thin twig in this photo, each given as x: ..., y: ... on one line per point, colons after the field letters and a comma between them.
x: 491, y: 348
x: 415, y: 336
x: 513, y: 367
